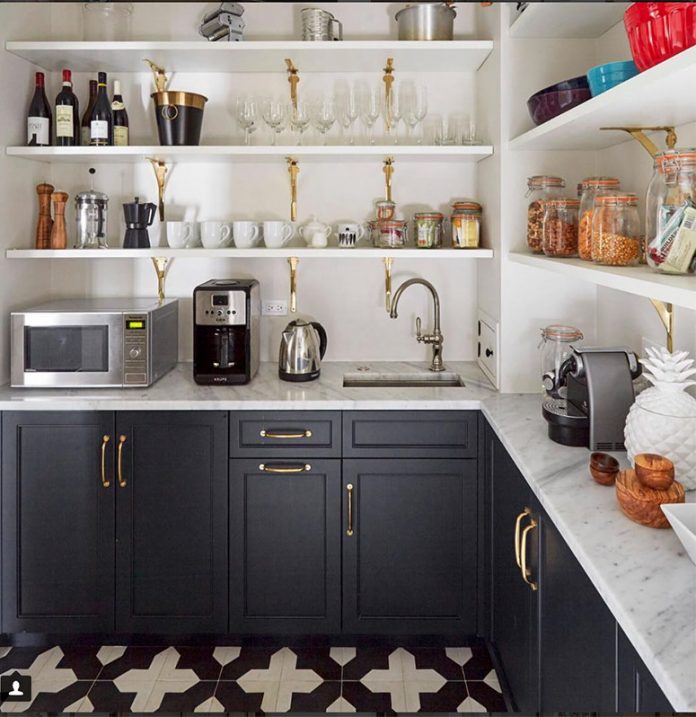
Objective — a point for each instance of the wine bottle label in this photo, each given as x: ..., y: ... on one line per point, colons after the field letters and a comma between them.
x: 98, y: 129
x: 84, y: 134
x: 120, y: 136
x: 37, y: 130
x: 64, y: 121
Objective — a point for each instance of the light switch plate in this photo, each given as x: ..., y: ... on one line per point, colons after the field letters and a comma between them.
x: 488, y: 351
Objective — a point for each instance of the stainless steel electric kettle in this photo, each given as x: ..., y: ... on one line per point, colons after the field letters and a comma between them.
x: 302, y: 347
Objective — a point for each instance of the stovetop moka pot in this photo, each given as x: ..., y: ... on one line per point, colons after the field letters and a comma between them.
x: 138, y: 218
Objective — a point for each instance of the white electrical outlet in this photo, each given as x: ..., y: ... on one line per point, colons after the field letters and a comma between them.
x: 274, y: 307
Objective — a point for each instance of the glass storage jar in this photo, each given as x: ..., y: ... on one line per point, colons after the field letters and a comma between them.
x: 616, y: 230
x: 670, y: 212
x: 556, y: 343
x: 428, y: 229
x: 591, y: 187
x: 106, y: 21
x: 560, y: 227
x: 466, y: 225
x: 540, y: 188
x: 389, y: 233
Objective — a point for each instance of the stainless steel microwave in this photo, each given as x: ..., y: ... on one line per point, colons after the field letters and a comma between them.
x: 94, y: 343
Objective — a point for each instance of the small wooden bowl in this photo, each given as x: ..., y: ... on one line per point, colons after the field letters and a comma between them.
x: 654, y: 471
x: 642, y: 504
x: 604, y: 468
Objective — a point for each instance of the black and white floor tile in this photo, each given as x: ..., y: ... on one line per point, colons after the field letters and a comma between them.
x: 387, y: 680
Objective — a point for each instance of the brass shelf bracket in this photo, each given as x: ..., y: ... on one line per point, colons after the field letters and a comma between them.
x: 665, y: 311
x: 638, y: 133
x: 293, y: 261
x: 388, y: 264
x: 160, y: 169
x: 293, y: 170
x: 388, y: 80
x: 161, y: 264
x: 159, y: 75
x: 293, y: 79
x: 388, y: 170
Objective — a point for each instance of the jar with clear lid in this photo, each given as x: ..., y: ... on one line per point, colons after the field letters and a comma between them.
x: 670, y: 213
x: 592, y: 187
x: 560, y: 227
x: 616, y: 237
x: 557, y: 341
x: 540, y: 188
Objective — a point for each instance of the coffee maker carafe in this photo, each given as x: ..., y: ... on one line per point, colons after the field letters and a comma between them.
x: 226, y: 322
x: 138, y: 218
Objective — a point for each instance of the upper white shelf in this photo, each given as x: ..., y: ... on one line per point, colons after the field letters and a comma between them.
x: 638, y: 280
x: 571, y: 20
x: 256, y: 56
x: 658, y: 96
x: 242, y: 153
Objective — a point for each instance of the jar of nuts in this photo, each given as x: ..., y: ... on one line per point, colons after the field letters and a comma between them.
x: 592, y: 187
x: 540, y: 189
x: 560, y: 227
x: 616, y: 239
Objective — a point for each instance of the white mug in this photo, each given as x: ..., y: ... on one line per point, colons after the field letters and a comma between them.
x: 349, y: 234
x: 246, y: 234
x: 216, y: 235
x: 277, y: 234
x: 183, y: 235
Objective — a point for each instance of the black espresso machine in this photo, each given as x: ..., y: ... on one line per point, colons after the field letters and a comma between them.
x: 226, y: 323
x: 590, y: 396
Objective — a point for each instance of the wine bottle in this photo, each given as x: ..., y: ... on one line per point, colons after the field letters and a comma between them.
x: 84, y: 132
x: 67, y: 114
x: 101, y: 121
x: 39, y: 117
x: 118, y: 108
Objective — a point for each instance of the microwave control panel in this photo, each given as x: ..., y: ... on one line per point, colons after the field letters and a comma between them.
x: 135, y: 344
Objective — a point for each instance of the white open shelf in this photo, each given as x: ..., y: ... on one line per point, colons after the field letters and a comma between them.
x: 256, y: 56
x: 226, y: 153
x: 572, y: 20
x: 654, y: 97
x: 256, y: 253
x: 638, y: 280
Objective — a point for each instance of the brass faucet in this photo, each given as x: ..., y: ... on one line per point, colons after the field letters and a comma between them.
x: 436, y: 339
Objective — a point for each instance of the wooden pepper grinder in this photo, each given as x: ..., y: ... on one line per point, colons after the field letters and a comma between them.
x: 45, y: 223
x: 59, y: 234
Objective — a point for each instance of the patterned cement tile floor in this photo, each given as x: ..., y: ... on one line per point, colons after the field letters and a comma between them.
x: 121, y: 679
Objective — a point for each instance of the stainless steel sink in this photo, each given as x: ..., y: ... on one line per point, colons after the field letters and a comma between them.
x: 445, y: 379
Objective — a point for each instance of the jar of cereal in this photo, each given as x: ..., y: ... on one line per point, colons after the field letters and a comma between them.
x: 560, y: 227
x: 592, y: 187
x: 540, y: 188
x: 616, y: 230
x: 466, y: 225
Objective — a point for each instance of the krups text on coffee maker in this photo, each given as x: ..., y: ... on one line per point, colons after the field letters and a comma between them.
x: 138, y: 218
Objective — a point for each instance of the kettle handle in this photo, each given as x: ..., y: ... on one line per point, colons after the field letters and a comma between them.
x: 322, y: 337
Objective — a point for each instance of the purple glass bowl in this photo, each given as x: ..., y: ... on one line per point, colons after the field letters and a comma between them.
x: 574, y: 83
x: 544, y: 107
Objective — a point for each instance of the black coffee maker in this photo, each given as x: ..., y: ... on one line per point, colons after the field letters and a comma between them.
x: 138, y: 218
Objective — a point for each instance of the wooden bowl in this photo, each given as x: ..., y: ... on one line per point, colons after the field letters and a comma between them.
x: 654, y: 471
x: 604, y: 468
x: 642, y: 504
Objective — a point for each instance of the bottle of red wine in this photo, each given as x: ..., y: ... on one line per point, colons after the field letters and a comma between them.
x: 67, y: 114
x: 118, y: 108
x: 101, y: 121
x: 39, y: 117
x: 84, y: 127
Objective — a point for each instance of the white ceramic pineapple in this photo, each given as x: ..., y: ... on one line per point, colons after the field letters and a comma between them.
x: 663, y: 418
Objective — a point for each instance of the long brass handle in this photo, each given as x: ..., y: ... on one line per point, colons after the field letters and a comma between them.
x: 285, y: 434
x: 526, y: 573
x: 349, y: 489
x: 121, y: 481
x: 104, y: 479
x: 518, y: 523
x: 285, y: 469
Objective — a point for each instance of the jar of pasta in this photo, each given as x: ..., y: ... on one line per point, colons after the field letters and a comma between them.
x: 539, y: 189
x: 591, y: 187
x: 560, y: 227
x: 616, y: 239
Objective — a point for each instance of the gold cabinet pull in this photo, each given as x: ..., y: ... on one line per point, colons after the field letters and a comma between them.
x: 285, y: 434
x: 285, y: 469
x: 121, y: 441
x: 526, y: 573
x: 104, y: 479
x: 518, y: 523
x: 349, y: 490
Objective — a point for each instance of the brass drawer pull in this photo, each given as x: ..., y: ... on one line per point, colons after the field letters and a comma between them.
x: 526, y: 572
x: 286, y: 434
x: 104, y: 479
x: 121, y: 441
x: 518, y: 523
x: 349, y: 489
x: 285, y: 469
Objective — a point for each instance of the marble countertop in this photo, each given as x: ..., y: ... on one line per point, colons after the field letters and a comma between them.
x: 644, y: 575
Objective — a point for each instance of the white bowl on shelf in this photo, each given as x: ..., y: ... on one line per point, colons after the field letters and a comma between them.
x: 682, y: 517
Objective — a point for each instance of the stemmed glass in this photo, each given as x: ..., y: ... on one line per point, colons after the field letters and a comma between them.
x: 346, y: 108
x: 367, y: 100
x: 392, y: 111
x: 323, y: 115
x: 299, y: 117
x: 414, y: 101
x: 247, y: 114
x: 275, y: 115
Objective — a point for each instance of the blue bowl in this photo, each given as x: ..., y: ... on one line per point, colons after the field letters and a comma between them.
x: 604, y: 77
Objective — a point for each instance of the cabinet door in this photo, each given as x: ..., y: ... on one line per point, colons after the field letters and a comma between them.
x: 171, y: 522
x: 285, y: 533
x: 410, y: 560
x: 514, y: 614
x: 57, y: 522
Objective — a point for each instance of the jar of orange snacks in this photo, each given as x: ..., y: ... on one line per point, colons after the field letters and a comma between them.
x: 592, y: 187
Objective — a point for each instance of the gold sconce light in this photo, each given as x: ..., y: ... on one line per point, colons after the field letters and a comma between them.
x: 293, y: 79
x: 293, y: 170
x: 388, y: 80
x: 293, y: 261
x: 388, y: 170
x: 388, y: 263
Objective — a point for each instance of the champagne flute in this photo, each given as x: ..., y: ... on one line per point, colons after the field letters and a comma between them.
x: 247, y: 114
x: 275, y: 116
x: 414, y: 100
x: 392, y: 110
x: 324, y: 116
x: 368, y: 107
x: 346, y: 108
x: 299, y: 117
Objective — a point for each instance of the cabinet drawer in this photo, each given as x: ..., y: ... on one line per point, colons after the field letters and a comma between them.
x: 403, y: 434
x: 285, y: 434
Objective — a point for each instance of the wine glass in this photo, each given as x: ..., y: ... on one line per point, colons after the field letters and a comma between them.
x: 323, y: 115
x: 247, y: 114
x: 299, y: 117
x: 367, y: 100
x: 275, y: 115
x: 346, y: 108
